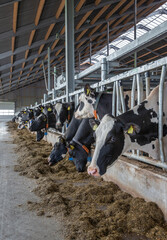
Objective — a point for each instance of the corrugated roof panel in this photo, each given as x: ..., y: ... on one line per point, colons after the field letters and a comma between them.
x: 28, y: 13
x: 6, y: 18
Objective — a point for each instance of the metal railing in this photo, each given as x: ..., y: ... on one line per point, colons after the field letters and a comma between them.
x: 136, y: 76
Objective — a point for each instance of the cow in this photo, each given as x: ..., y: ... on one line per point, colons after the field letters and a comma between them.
x: 63, y: 112
x: 134, y: 129
x: 95, y: 104
x: 44, y: 120
x: 79, y: 146
x: 60, y: 147
x: 78, y: 139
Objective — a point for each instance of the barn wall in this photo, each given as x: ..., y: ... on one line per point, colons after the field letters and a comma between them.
x: 26, y: 96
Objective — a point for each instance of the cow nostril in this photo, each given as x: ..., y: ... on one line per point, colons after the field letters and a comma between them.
x: 92, y: 171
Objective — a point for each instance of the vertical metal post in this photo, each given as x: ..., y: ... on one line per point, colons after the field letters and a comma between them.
x: 122, y: 97
x: 133, y: 91
x: 118, y: 99
x: 108, y: 38
x: 44, y: 98
x: 79, y: 61
x: 160, y: 125
x: 113, y: 99
x: 139, y: 94
x: 103, y: 71
x: 135, y: 22
x: 139, y: 89
x: 147, y: 79
x: 55, y: 77
x: 76, y: 99
x: 48, y: 69
x: 90, y: 52
x: 69, y: 44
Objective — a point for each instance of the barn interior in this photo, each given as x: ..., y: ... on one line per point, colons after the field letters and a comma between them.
x: 49, y: 51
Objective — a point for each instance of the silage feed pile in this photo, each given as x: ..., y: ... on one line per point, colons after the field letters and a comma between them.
x: 91, y: 208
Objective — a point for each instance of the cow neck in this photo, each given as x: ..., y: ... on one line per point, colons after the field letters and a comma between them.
x: 96, y: 104
x: 105, y: 105
x: 83, y: 146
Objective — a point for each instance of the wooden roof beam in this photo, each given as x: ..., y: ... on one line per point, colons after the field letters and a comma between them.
x: 80, y: 4
x: 37, y: 17
x: 39, y: 11
x: 15, y: 12
x: 60, y: 9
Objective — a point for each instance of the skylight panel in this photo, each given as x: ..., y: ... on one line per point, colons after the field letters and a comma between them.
x: 153, y: 20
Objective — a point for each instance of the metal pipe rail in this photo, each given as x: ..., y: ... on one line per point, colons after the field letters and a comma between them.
x: 133, y: 76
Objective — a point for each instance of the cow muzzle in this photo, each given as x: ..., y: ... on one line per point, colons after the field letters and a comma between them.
x: 93, y: 172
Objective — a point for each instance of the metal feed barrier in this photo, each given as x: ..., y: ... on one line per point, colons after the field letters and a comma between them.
x: 136, y: 76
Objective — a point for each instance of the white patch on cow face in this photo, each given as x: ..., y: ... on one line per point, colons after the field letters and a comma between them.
x: 101, y: 132
x: 85, y: 110
x: 58, y: 108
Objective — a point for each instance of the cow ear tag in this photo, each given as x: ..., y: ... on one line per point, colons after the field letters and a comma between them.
x: 87, y: 91
x: 49, y: 109
x: 131, y: 129
x: 71, y: 147
x: 95, y: 127
x: 68, y: 108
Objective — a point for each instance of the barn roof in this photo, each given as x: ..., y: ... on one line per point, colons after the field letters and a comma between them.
x: 29, y: 27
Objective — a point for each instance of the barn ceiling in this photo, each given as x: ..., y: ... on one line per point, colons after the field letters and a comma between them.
x: 29, y: 27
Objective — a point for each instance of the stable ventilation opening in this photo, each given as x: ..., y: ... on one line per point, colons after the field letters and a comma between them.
x: 7, y: 108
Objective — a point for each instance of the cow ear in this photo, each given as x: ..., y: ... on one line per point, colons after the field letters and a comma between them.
x: 87, y: 89
x: 132, y: 128
x: 94, y: 124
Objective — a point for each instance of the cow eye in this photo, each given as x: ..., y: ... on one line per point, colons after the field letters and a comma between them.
x: 110, y: 140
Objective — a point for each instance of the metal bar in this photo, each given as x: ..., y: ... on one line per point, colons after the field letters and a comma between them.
x: 69, y: 43
x: 146, y: 160
x: 144, y: 68
x: 108, y: 37
x: 113, y: 99
x: 118, y: 99
x: 79, y: 61
x: 90, y: 51
x: 122, y: 98
x: 139, y: 89
x: 55, y: 77
x: 48, y: 68
x: 133, y: 91
x: 154, y: 35
x: 147, y: 79
x: 44, y: 73
x: 103, y: 71
x: 135, y: 22
x: 161, y: 104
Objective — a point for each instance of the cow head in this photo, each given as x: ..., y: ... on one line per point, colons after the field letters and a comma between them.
x: 30, y: 113
x: 38, y: 110
x: 112, y: 139
x: 58, y: 152
x: 78, y: 155
x: 86, y: 101
x: 63, y: 112
x: 38, y: 124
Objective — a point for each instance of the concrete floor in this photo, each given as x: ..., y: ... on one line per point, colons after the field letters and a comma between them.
x: 16, y: 222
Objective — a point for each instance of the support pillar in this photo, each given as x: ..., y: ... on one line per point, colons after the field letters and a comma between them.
x: 69, y: 44
x: 48, y: 69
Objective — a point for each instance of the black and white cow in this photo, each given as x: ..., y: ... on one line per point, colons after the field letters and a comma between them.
x: 60, y: 148
x: 44, y: 120
x: 63, y: 112
x: 135, y: 129
x: 79, y: 147
x: 95, y: 104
